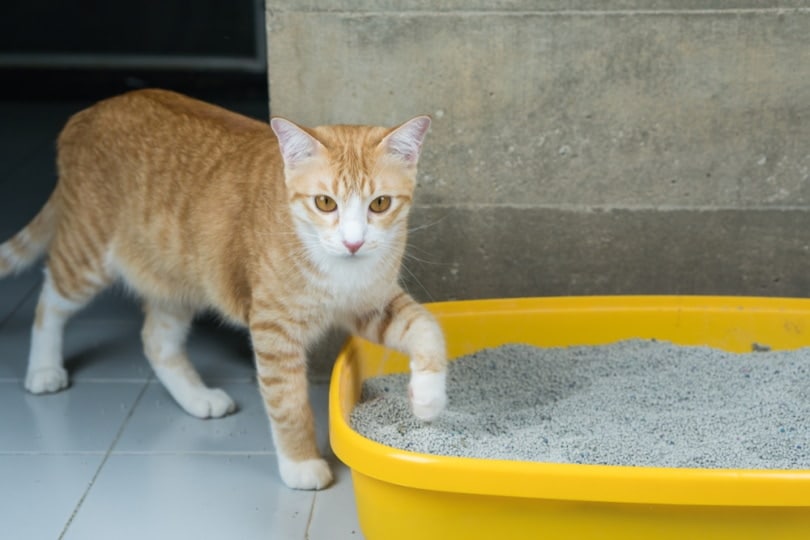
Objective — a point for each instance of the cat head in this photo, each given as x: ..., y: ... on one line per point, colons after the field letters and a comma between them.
x: 350, y: 187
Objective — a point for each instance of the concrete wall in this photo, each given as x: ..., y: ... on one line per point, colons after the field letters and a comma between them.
x: 579, y: 147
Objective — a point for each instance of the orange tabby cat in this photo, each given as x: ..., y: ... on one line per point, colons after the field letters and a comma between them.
x: 285, y: 229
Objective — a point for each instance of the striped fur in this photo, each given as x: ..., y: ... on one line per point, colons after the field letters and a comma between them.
x: 193, y: 208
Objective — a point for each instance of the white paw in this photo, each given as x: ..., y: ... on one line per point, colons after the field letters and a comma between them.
x: 208, y: 403
x: 427, y: 393
x: 44, y: 380
x: 307, y: 474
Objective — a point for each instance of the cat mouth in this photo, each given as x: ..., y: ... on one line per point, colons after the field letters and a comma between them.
x: 344, y: 254
x: 355, y: 255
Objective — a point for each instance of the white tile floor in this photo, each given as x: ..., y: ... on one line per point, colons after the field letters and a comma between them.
x: 113, y: 456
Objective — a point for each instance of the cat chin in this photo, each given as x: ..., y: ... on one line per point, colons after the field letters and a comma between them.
x: 344, y: 254
x: 352, y: 278
x: 350, y: 265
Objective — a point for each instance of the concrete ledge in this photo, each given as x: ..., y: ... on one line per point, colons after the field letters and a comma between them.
x: 463, y: 253
x: 534, y: 6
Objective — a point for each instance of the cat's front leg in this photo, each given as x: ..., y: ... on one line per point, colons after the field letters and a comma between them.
x: 405, y: 325
x: 282, y: 372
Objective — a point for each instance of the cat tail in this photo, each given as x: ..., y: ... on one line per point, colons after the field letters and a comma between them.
x: 28, y: 245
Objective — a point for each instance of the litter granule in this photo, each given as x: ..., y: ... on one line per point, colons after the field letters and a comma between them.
x: 635, y: 402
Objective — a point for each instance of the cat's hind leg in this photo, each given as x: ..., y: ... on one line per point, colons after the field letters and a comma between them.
x: 164, y: 337
x: 76, y: 271
x: 46, y: 372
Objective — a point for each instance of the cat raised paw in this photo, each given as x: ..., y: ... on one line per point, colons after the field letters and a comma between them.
x: 45, y: 380
x: 307, y: 474
x: 427, y: 394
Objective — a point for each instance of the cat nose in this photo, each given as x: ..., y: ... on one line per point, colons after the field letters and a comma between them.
x: 353, y: 246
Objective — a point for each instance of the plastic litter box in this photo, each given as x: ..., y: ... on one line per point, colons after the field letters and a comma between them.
x: 406, y: 495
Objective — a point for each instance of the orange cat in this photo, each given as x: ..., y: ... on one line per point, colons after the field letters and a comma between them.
x: 285, y: 229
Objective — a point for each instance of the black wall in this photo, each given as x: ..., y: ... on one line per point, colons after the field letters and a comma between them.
x: 92, y: 48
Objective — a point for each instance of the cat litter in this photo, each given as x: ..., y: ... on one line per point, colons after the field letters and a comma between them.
x: 634, y: 402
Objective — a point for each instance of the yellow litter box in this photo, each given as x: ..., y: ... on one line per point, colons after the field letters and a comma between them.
x: 406, y: 495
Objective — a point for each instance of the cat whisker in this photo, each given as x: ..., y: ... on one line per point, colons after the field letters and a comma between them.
x: 412, y: 257
x: 428, y: 225
x: 418, y: 282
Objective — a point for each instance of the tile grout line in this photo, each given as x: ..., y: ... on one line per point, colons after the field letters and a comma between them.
x: 232, y: 453
x: 311, y: 516
x: 50, y: 453
x: 107, y: 455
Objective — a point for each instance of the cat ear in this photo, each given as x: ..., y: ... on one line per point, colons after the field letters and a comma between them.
x: 405, y: 142
x: 296, y: 144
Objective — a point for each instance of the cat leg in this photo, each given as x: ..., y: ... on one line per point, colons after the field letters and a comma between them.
x: 76, y: 271
x: 282, y: 369
x: 45, y: 370
x: 407, y: 326
x: 165, y: 331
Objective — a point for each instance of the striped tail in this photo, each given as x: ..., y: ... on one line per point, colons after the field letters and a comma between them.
x: 28, y: 245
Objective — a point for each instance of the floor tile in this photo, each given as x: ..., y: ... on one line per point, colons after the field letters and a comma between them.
x: 319, y: 398
x: 39, y: 492
x: 191, y: 496
x: 159, y: 425
x: 92, y: 350
x: 112, y: 304
x: 334, y: 514
x: 14, y: 346
x: 221, y: 353
x: 84, y: 418
x: 109, y: 347
x: 17, y: 292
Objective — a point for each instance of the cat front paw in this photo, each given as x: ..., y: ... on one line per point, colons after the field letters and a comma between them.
x: 207, y: 403
x: 46, y: 380
x: 427, y: 394
x: 308, y: 474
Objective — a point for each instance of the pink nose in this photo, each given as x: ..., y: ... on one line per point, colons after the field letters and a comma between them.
x: 353, y: 246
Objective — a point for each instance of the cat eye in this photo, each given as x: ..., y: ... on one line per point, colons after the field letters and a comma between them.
x: 380, y: 204
x: 325, y: 203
